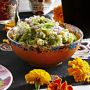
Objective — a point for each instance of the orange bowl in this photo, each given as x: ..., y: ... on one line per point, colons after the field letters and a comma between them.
x: 50, y: 57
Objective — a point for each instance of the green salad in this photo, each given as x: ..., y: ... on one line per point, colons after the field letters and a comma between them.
x: 39, y: 31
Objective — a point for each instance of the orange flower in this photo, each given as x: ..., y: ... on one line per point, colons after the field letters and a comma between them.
x: 9, y: 24
x: 58, y: 14
x: 79, y: 69
x: 57, y: 85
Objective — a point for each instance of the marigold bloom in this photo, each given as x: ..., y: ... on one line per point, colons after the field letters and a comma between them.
x: 58, y: 14
x: 38, y: 75
x: 57, y: 85
x: 6, y: 41
x: 79, y: 69
x: 9, y: 25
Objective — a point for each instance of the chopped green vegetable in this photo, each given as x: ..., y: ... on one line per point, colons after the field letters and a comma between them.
x: 40, y: 31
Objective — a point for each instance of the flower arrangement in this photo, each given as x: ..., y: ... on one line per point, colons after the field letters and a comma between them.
x: 40, y: 77
x: 79, y: 69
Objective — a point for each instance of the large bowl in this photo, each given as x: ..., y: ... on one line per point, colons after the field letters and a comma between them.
x: 51, y: 57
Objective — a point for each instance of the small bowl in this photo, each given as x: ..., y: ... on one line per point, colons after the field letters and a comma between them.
x: 51, y: 57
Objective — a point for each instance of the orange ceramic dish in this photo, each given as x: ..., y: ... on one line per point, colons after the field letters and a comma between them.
x: 50, y: 57
x: 44, y: 58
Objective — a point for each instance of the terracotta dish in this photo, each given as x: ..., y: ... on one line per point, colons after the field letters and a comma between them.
x: 50, y: 57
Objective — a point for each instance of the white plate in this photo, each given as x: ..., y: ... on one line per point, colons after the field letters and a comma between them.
x: 85, y: 52
x: 6, y: 78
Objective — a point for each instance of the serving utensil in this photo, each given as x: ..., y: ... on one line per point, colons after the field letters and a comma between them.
x: 17, y: 17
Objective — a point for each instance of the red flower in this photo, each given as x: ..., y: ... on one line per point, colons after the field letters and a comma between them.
x: 57, y: 85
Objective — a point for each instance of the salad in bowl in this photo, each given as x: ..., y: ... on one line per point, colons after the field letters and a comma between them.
x: 38, y: 39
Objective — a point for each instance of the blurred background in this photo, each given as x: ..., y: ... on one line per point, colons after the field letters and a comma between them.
x: 75, y: 12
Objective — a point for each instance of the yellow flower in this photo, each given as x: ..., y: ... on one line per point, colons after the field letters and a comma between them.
x: 10, y: 23
x: 38, y: 75
x: 6, y: 41
x: 79, y: 69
